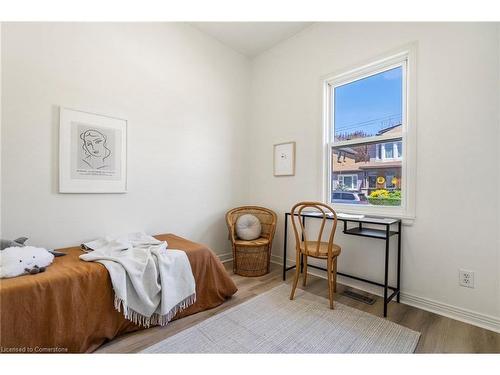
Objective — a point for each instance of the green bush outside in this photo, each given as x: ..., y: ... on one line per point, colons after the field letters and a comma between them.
x: 382, y: 197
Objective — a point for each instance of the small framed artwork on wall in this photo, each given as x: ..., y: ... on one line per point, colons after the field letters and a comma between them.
x: 284, y: 159
x: 92, y: 153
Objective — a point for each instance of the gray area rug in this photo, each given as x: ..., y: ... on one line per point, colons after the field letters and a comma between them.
x: 271, y: 323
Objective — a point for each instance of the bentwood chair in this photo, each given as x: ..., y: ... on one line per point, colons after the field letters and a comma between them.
x: 316, y: 248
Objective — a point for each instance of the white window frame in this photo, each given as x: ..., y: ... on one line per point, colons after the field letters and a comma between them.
x: 384, y: 152
x: 383, y: 148
x: 406, y: 57
x: 352, y: 175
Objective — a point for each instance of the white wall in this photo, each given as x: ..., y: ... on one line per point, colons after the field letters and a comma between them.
x: 185, y: 98
x: 498, y: 164
x: 1, y: 130
x: 457, y: 150
x: 187, y: 101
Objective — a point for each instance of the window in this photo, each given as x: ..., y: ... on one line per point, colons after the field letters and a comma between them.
x: 372, y: 181
x: 389, y: 150
x: 389, y: 182
x: 398, y: 149
x: 347, y: 182
x: 348, y: 196
x: 366, y: 126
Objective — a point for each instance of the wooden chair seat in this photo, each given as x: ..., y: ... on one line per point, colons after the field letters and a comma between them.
x: 323, y: 249
x: 257, y: 242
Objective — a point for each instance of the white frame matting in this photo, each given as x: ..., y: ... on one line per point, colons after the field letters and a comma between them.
x: 284, y: 159
x: 92, y: 153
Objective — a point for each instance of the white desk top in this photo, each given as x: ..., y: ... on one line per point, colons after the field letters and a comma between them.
x: 356, y: 218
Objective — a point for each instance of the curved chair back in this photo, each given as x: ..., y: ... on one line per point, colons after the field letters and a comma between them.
x: 266, y: 217
x: 323, y: 211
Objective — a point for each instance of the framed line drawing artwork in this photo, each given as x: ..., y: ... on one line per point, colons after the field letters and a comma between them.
x: 92, y: 153
x: 284, y: 159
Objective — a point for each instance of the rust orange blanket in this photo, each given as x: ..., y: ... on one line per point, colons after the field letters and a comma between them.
x: 70, y: 307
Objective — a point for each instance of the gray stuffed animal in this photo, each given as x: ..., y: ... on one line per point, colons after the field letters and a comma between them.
x: 19, y: 242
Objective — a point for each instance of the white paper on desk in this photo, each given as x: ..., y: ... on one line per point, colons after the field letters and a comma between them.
x: 311, y: 213
x: 316, y: 213
x: 349, y: 216
x: 341, y: 215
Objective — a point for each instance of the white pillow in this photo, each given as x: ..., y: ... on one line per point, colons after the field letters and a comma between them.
x: 248, y: 227
x: 16, y: 261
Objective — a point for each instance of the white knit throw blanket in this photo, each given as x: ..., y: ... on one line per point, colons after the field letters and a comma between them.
x: 151, y: 284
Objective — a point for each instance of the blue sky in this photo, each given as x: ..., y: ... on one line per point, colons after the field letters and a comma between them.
x: 370, y: 104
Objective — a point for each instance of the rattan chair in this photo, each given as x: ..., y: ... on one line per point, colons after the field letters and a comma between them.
x: 252, y: 258
x: 316, y: 249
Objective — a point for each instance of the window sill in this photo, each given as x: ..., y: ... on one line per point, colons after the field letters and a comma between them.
x: 397, y: 213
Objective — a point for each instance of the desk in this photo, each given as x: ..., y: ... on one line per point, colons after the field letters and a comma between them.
x: 382, y: 234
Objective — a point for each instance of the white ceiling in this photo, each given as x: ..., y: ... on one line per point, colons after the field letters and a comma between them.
x: 251, y: 38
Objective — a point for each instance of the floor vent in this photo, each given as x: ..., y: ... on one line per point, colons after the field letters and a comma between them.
x: 359, y: 297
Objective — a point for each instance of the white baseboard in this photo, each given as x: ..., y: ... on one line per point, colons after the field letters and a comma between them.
x: 464, y: 315
x: 454, y: 312
x: 226, y: 257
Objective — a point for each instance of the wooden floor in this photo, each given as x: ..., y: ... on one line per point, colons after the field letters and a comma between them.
x: 439, y: 334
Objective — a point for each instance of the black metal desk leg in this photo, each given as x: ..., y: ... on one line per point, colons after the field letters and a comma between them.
x: 284, y: 247
x: 386, y: 272
x: 302, y: 255
x: 399, y: 262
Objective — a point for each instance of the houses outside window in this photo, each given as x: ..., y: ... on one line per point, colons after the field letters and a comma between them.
x: 389, y: 151
x: 347, y: 182
x: 390, y: 182
x: 372, y: 181
x: 366, y: 122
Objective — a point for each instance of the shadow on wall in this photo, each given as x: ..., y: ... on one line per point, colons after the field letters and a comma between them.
x: 54, y: 150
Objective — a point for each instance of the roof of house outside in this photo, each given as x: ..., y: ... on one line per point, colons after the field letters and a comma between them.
x: 391, y: 129
x: 351, y: 166
x: 347, y: 160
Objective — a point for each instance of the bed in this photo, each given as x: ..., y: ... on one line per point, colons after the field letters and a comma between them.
x: 69, y: 307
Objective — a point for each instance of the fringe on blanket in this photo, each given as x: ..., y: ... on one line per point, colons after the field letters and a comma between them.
x: 155, y: 319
